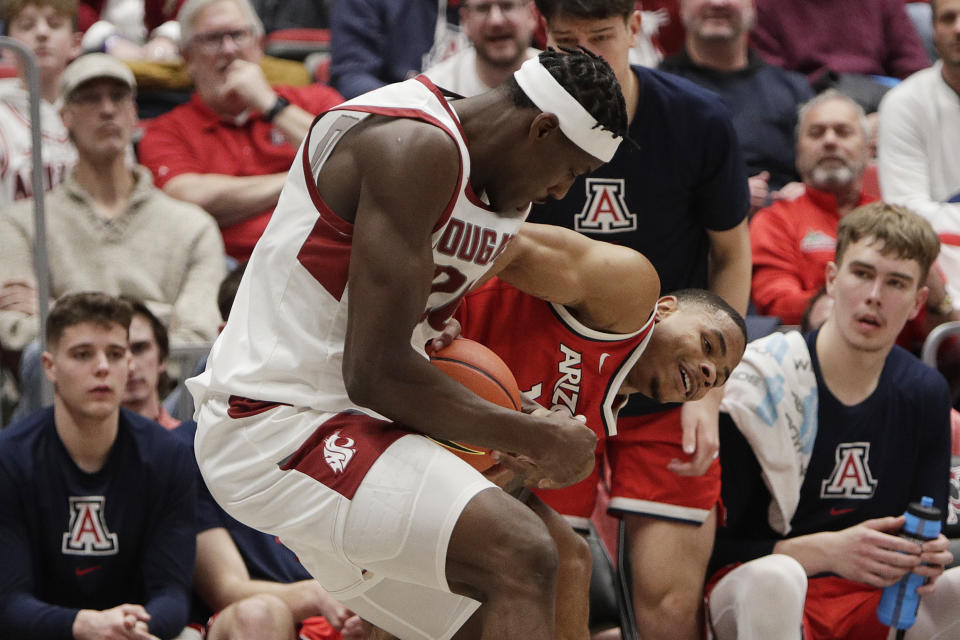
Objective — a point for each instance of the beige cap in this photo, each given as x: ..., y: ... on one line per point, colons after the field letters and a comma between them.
x: 91, y: 66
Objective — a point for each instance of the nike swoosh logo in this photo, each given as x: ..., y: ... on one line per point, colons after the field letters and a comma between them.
x: 603, y: 356
x: 839, y: 512
x: 84, y: 571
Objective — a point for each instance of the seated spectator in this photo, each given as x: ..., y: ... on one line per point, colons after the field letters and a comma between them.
x: 48, y: 29
x: 836, y: 432
x: 149, y: 348
x: 793, y: 240
x: 918, y: 154
x: 376, y: 42
x: 853, y: 40
x: 97, y: 511
x: 131, y: 29
x: 108, y: 227
x: 499, y: 32
x: 762, y: 99
x: 229, y: 148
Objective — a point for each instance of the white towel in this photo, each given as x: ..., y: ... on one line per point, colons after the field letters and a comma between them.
x: 772, y: 398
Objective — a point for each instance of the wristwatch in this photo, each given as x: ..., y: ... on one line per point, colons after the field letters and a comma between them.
x: 278, y: 106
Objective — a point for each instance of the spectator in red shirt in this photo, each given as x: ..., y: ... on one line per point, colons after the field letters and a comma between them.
x: 230, y: 147
x: 793, y: 240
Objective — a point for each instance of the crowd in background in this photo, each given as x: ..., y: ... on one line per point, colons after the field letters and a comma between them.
x: 168, y: 129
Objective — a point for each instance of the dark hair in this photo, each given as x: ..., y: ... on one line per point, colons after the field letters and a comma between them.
x: 228, y: 290
x: 88, y: 306
x: 710, y: 300
x: 590, y: 9
x: 10, y: 9
x: 165, y: 383
x: 589, y: 79
x: 159, y: 330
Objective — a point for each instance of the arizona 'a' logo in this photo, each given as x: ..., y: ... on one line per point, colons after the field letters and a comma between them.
x: 87, y: 534
x: 851, y: 477
x: 605, y: 210
x: 338, y: 456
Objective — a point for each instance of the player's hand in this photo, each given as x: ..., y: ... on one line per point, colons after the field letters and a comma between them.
x: 451, y: 331
x: 566, y: 456
x: 700, y: 422
x: 872, y: 552
x: 245, y: 82
x: 123, y: 622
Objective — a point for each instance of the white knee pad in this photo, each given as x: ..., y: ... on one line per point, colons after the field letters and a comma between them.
x: 760, y: 599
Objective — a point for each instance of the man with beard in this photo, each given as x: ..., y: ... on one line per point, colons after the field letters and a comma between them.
x: 762, y: 99
x: 500, y: 32
x: 793, y: 240
x: 919, y: 159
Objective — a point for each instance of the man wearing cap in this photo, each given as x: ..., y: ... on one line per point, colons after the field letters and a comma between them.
x: 317, y: 396
x: 108, y: 228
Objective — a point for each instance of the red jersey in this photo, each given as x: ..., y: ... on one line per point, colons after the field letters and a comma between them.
x: 559, y: 363
x: 192, y: 138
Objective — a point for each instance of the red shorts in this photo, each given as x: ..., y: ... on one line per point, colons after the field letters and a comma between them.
x: 640, y: 481
x: 835, y: 608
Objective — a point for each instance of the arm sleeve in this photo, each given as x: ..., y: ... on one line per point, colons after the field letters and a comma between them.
x: 745, y: 534
x: 905, y: 54
x: 22, y: 615
x: 777, y: 288
x: 356, y: 33
x: 722, y: 197
x: 171, y: 550
x: 195, y: 315
x: 17, y: 329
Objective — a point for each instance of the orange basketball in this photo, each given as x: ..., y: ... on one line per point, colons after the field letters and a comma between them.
x: 482, y: 371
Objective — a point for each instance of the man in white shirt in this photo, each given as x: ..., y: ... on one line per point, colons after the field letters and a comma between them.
x: 919, y: 158
x: 500, y: 32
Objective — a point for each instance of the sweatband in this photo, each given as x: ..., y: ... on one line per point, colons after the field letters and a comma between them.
x: 576, y: 122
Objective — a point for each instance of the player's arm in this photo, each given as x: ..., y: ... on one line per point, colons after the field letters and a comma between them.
x: 609, y: 287
x: 390, y: 275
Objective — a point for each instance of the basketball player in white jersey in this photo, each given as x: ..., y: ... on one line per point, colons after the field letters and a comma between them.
x: 48, y: 29
x: 316, y: 393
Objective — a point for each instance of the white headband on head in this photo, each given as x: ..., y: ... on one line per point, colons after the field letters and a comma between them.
x: 576, y: 122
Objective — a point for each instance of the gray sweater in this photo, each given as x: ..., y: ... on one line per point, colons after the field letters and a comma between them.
x: 163, y: 251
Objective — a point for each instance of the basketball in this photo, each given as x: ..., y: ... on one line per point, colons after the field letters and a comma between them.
x: 482, y: 371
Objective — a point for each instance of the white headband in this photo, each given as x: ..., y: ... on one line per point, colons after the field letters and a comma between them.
x: 576, y: 122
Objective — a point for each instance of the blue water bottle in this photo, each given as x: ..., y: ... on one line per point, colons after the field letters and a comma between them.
x: 899, y: 602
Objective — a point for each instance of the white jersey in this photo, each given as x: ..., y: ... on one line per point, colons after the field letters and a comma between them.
x: 285, y: 339
x: 16, y: 144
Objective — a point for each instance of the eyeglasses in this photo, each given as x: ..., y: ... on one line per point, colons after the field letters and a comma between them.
x: 505, y: 6
x: 212, y: 41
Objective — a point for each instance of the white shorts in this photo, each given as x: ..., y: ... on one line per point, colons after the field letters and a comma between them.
x: 368, y: 507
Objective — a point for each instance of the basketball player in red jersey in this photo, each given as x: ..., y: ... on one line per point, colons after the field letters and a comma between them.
x: 587, y: 328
